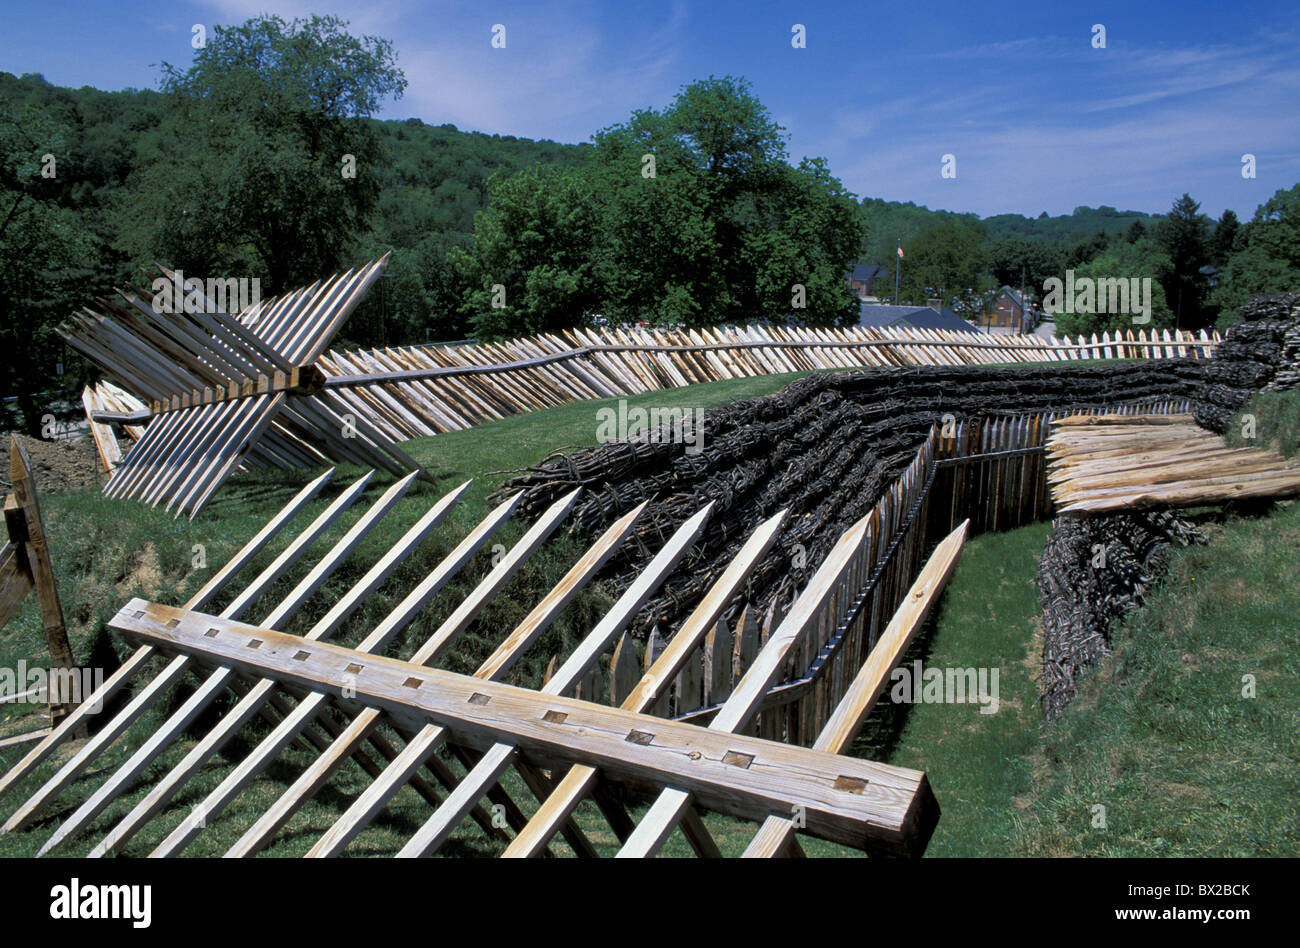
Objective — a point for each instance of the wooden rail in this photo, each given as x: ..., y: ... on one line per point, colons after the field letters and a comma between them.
x: 418, y: 391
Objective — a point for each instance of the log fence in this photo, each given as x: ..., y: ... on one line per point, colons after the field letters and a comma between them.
x: 390, y: 716
x: 804, y: 672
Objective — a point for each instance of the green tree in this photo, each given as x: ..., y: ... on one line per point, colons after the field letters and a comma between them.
x: 1085, y: 249
x: 43, y: 254
x: 690, y: 215
x: 1224, y: 237
x: 1184, y: 236
x: 533, y: 266
x: 247, y: 172
x: 725, y: 225
x: 1013, y: 259
x: 947, y: 262
x: 1266, y: 255
x: 1144, y: 259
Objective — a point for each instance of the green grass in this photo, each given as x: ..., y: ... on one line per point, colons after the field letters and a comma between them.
x: 1164, y: 735
x: 1159, y: 735
x: 978, y: 764
x: 1275, y: 417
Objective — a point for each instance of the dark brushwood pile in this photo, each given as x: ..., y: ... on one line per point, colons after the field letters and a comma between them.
x: 1288, y: 370
x: 1092, y: 573
x: 824, y: 447
x: 1261, y: 351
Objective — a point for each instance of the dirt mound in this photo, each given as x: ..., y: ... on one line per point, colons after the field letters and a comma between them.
x: 59, y: 465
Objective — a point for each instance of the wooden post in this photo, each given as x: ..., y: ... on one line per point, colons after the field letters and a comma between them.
x: 33, y: 546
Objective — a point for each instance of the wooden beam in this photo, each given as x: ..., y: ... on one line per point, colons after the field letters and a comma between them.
x: 430, y: 736
x: 37, y: 553
x: 220, y: 680
x: 316, y: 773
x: 478, y: 781
x: 252, y: 703
x: 176, y: 669
x: 141, y: 658
x: 15, y: 581
x: 673, y: 803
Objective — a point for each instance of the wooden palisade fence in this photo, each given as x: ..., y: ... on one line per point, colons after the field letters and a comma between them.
x: 804, y: 675
x: 417, y: 391
x: 215, y: 392
x: 391, y: 716
x: 990, y: 471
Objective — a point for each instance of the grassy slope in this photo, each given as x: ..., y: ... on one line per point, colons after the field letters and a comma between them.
x: 1164, y: 737
x: 1276, y: 419
x: 1160, y: 734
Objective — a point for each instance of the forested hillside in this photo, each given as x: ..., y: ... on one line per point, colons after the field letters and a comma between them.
x: 894, y: 221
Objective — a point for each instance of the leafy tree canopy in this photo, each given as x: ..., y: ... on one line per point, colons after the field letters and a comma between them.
x: 946, y: 262
x: 691, y: 215
x: 1265, y: 256
x: 1121, y: 260
x: 271, y: 113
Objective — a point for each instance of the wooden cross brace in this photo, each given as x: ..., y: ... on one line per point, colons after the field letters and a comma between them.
x: 299, y: 380
x: 859, y: 803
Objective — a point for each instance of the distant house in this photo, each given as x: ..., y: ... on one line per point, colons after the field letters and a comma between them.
x: 1011, y: 312
x: 936, y: 316
x: 862, y: 279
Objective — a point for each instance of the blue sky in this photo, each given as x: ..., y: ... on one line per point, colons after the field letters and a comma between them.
x: 1037, y: 118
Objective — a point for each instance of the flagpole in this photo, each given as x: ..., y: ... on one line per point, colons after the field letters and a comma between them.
x: 897, y: 257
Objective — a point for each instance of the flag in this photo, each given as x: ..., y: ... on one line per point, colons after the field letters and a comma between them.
x: 900, y: 251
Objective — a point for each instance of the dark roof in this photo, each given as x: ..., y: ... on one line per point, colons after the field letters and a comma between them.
x: 1015, y: 296
x: 866, y: 271
x: 918, y: 317
x: 882, y: 314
